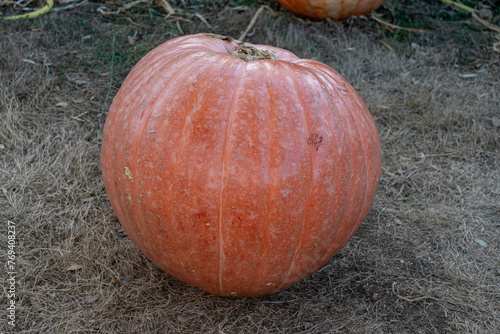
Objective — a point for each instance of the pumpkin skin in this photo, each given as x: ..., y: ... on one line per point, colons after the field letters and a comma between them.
x: 238, y: 177
x: 335, y: 9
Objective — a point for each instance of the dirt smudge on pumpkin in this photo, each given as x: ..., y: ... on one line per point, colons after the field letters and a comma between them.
x: 315, y: 140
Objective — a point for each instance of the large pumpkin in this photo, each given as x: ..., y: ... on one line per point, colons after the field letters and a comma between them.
x: 238, y: 168
x: 334, y: 9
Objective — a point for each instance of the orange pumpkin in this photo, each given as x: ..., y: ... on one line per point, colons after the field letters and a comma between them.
x: 238, y: 168
x: 334, y: 9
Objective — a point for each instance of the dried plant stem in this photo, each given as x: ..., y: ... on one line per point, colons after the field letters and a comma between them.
x: 459, y: 5
x: 166, y: 6
x: 473, y: 13
x: 252, y: 22
x: 393, y: 26
x: 4, y: 171
x: 412, y: 300
x: 485, y: 23
x: 45, y: 9
x: 203, y: 20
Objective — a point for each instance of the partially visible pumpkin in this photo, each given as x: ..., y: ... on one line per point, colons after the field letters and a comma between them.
x: 238, y: 168
x: 335, y: 9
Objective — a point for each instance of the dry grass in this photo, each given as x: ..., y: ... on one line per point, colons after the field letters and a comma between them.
x: 415, y: 265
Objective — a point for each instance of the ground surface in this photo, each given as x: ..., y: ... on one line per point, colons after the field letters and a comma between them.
x: 426, y: 260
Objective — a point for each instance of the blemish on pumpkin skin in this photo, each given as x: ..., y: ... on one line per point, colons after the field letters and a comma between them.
x: 129, y: 198
x: 129, y: 174
x: 315, y: 140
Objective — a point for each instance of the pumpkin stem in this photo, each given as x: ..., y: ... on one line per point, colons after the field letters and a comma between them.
x: 248, y: 53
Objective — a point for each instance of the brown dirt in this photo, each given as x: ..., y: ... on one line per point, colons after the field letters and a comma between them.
x: 426, y: 260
